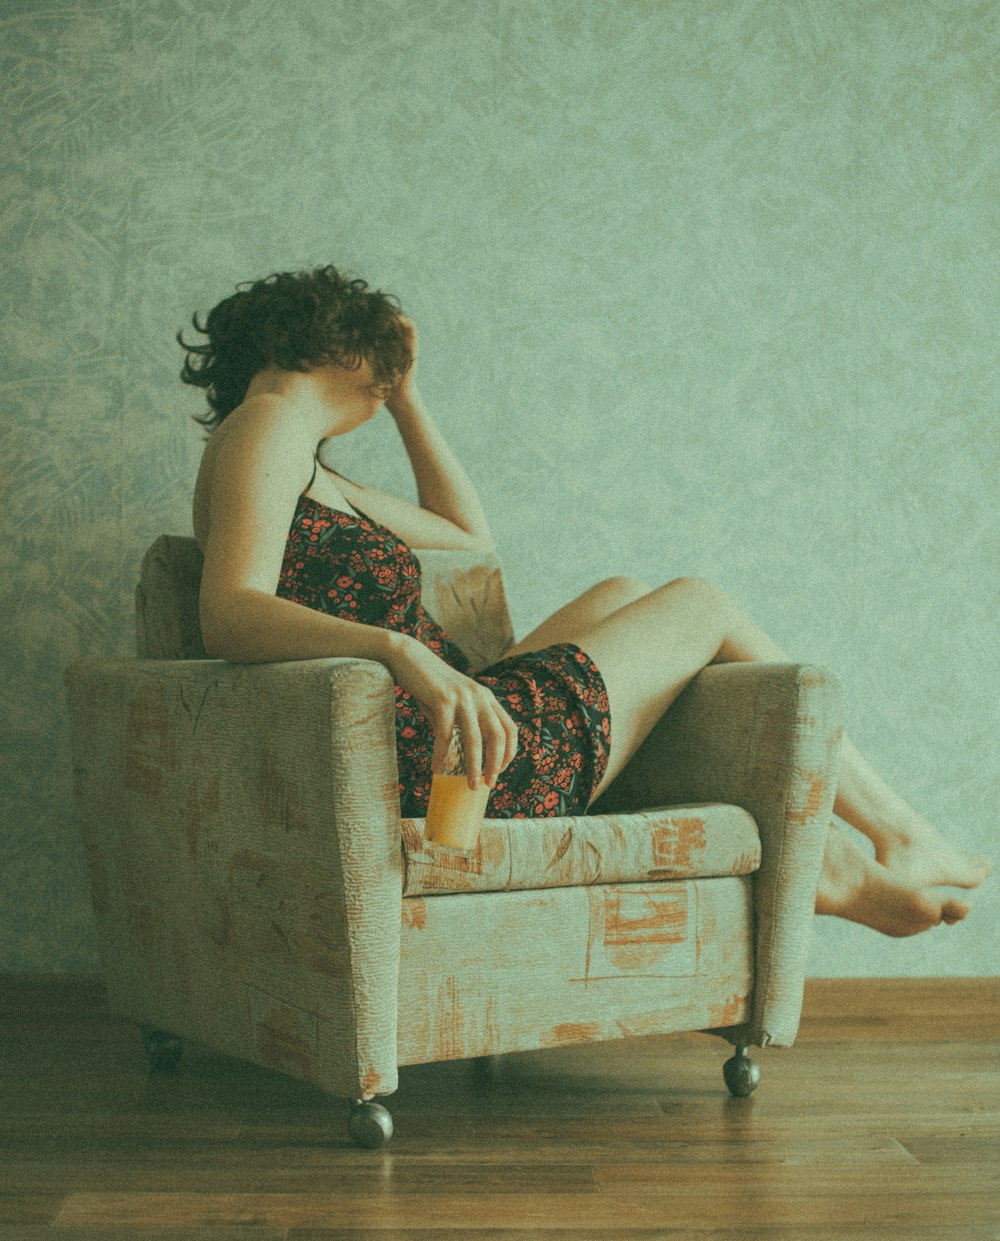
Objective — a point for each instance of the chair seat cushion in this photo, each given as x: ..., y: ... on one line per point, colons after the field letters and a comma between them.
x: 701, y: 840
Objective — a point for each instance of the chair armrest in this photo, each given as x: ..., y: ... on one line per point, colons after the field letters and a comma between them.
x: 241, y: 823
x: 764, y: 736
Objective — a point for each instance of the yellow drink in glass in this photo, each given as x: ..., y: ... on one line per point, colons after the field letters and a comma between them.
x: 455, y: 812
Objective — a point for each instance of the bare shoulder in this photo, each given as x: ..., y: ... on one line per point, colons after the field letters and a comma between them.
x: 260, y: 448
x: 263, y: 417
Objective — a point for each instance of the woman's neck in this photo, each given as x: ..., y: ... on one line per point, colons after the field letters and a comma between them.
x: 331, y: 399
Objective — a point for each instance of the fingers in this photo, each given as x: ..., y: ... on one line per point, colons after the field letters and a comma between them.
x: 499, y: 737
x: 510, y: 739
x: 443, y: 729
x: 409, y: 330
x: 488, y: 734
x: 472, y: 745
x: 495, y: 743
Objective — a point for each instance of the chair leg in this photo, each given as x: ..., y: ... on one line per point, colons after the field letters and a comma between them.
x: 163, y: 1050
x: 370, y: 1124
x: 741, y: 1073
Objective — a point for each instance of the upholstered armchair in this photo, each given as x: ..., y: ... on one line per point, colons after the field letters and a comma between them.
x: 255, y: 889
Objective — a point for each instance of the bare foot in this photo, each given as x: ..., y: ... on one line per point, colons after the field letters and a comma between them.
x: 916, y: 852
x: 913, y: 849
x: 859, y: 888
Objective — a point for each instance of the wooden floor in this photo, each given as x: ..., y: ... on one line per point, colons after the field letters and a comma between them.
x: 882, y: 1122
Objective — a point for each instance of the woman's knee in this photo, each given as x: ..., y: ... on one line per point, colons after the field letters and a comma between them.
x: 699, y: 593
x: 702, y: 587
x: 708, y: 604
x: 623, y: 590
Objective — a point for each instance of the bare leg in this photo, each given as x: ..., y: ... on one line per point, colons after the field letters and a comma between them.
x: 859, y: 888
x: 650, y: 643
x: 904, y: 840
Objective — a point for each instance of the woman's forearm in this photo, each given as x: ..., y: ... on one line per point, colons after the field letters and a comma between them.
x: 443, y: 486
x: 249, y: 626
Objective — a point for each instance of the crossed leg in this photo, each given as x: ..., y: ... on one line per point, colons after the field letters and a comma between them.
x: 649, y: 643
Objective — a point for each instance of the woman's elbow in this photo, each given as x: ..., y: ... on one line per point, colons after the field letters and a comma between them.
x: 216, y: 650
x: 216, y: 644
x: 219, y: 637
x: 481, y: 541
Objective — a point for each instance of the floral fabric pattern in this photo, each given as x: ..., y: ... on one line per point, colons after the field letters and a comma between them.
x: 349, y: 566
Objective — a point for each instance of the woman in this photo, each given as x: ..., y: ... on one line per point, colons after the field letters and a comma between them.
x: 298, y: 358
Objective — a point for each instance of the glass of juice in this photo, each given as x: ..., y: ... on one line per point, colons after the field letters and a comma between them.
x: 455, y: 812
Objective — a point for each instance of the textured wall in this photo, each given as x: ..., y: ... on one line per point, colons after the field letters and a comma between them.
x: 704, y: 287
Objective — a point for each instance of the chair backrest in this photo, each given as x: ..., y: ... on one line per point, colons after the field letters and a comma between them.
x: 463, y: 591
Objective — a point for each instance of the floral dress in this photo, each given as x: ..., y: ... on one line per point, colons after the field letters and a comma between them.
x: 349, y: 566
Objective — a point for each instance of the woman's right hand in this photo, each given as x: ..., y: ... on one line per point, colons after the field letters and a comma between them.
x: 449, y: 700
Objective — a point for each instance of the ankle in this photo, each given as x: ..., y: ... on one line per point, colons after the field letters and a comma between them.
x: 891, y: 836
x: 887, y: 829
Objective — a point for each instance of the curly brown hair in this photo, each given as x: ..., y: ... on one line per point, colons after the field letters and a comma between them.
x: 294, y: 320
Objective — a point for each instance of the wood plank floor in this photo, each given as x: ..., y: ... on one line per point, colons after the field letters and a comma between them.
x: 882, y: 1122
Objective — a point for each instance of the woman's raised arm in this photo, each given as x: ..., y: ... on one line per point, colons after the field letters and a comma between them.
x: 443, y: 486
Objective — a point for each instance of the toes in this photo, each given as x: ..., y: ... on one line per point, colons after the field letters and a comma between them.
x: 954, y: 911
x: 972, y: 874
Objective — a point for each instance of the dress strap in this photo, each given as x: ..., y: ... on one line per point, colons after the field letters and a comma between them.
x: 311, y: 477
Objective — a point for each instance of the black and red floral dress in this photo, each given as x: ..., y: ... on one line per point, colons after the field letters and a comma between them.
x: 347, y: 565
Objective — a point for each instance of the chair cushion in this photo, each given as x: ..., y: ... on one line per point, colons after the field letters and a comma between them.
x: 677, y: 842
x: 166, y: 600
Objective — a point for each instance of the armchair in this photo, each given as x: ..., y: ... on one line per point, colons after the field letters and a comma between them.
x: 255, y: 889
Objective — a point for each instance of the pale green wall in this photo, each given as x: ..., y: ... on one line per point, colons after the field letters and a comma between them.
x: 704, y: 287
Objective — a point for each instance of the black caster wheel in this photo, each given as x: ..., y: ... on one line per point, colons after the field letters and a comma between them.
x: 164, y: 1050
x: 370, y: 1125
x: 741, y: 1073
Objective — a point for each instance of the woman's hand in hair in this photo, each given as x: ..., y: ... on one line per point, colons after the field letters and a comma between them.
x: 405, y: 389
x: 452, y: 700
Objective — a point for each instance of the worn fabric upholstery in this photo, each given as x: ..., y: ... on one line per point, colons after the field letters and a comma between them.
x: 765, y: 737
x: 672, y: 843
x: 254, y: 887
x: 482, y: 975
x: 245, y: 856
x: 464, y: 592
x: 166, y: 600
